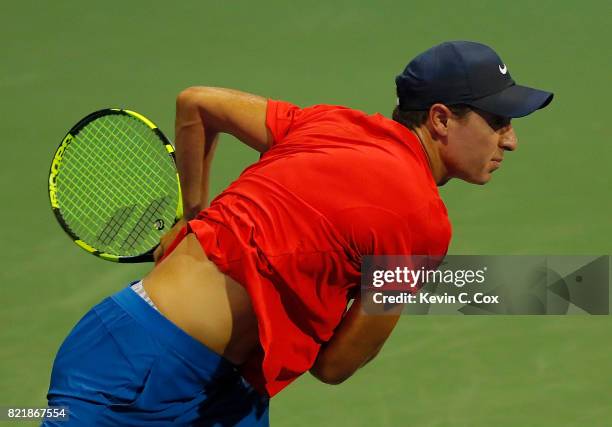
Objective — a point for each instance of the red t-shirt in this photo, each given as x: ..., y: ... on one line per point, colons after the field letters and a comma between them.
x: 337, y: 184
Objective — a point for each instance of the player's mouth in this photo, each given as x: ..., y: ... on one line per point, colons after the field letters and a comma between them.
x: 496, y: 162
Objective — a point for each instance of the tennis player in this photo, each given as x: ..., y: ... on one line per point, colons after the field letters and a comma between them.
x: 252, y: 291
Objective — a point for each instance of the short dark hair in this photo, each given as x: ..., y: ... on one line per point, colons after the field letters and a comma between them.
x: 415, y: 118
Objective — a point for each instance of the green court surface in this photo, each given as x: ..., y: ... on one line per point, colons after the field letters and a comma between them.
x: 62, y: 60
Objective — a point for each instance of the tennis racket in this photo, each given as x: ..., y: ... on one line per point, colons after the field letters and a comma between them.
x: 114, y: 187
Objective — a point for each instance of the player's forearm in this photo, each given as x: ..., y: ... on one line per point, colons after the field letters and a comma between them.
x: 210, y: 145
x: 189, y: 141
x: 356, y: 341
x: 195, y: 145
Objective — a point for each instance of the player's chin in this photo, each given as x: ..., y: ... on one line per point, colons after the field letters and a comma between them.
x: 479, y: 179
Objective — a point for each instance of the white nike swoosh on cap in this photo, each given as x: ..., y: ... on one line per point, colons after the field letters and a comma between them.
x: 503, y: 70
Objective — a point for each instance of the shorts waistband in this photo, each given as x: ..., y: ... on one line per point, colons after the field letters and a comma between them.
x: 169, y: 334
x: 142, y: 293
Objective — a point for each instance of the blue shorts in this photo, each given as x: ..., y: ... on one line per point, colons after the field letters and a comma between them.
x: 125, y: 364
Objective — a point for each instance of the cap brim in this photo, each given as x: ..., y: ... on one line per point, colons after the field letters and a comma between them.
x: 514, y: 101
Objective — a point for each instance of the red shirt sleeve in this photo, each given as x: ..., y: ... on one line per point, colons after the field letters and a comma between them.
x: 280, y: 116
x: 284, y: 117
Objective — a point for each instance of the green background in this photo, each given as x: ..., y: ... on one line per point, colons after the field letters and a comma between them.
x: 62, y: 60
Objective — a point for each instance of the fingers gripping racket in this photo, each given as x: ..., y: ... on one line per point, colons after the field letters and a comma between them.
x: 114, y: 187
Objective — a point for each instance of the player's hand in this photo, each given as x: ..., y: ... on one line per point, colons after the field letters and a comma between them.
x: 167, y: 239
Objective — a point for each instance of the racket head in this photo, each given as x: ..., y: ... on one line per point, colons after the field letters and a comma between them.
x: 113, y: 185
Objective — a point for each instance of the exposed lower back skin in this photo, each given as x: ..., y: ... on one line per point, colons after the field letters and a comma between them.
x: 191, y: 292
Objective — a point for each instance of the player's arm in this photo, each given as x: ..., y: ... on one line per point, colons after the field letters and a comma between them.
x: 355, y: 342
x: 201, y: 114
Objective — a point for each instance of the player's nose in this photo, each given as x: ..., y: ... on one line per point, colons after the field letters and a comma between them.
x: 508, y: 140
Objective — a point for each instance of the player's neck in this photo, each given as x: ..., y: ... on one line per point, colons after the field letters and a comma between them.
x: 438, y: 169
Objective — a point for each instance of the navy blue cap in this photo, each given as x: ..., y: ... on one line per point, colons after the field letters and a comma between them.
x: 463, y: 72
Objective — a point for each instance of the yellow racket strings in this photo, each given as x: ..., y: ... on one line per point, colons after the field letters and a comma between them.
x: 117, y: 186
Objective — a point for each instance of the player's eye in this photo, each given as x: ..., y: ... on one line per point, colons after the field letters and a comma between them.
x: 496, y: 122
x: 499, y: 122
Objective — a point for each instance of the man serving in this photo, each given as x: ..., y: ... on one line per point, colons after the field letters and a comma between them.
x: 252, y: 291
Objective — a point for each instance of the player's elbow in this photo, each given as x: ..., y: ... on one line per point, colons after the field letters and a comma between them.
x: 330, y: 379
x: 191, y: 97
x: 202, y: 104
x: 330, y: 374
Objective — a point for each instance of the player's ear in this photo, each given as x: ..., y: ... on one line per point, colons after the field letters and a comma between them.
x: 437, y: 121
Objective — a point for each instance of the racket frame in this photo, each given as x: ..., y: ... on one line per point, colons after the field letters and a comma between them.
x: 55, y: 169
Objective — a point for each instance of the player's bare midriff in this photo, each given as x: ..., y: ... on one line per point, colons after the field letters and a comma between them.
x: 214, y: 309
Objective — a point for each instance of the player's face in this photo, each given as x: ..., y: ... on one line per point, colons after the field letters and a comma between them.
x: 476, y: 145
